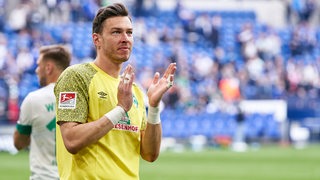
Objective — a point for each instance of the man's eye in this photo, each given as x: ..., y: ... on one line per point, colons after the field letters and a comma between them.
x: 116, y: 32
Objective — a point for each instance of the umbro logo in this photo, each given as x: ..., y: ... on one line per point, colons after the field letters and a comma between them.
x: 102, y: 95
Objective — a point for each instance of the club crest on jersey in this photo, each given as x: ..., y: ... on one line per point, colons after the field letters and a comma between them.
x: 135, y: 101
x: 67, y: 100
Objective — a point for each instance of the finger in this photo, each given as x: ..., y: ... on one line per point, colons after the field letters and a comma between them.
x: 156, y: 78
x: 129, y: 69
x: 173, y: 68
x: 170, y: 70
x: 170, y: 81
x: 123, y: 73
x: 132, y: 79
x: 170, y: 78
x: 167, y: 72
x: 129, y: 79
x: 126, y: 76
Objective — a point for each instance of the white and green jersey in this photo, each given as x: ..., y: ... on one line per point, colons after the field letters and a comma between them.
x: 37, y: 119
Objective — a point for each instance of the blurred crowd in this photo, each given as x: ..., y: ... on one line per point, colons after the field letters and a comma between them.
x: 221, y: 60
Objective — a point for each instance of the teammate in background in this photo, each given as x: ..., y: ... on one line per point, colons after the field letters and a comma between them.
x: 36, y: 124
x: 103, y: 127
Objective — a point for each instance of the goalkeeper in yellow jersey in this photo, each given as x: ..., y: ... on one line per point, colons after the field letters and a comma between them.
x: 103, y: 127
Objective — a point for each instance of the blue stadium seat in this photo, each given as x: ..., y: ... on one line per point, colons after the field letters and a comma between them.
x: 271, y: 128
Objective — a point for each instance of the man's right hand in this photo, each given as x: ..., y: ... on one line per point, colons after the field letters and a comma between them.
x: 125, y: 88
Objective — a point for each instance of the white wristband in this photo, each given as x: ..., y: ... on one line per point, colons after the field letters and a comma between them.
x: 154, y: 115
x: 116, y: 114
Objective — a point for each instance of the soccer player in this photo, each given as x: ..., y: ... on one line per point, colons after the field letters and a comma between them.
x: 103, y: 128
x: 36, y: 124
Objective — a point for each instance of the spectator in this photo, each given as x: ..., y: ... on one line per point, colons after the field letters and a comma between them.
x: 229, y: 84
x: 268, y: 44
x: 18, y: 17
x: 25, y: 60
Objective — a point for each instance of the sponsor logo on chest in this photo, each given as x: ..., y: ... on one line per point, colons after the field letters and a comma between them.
x: 125, y: 125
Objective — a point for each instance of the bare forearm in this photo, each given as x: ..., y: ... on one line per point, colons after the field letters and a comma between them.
x: 77, y: 136
x: 21, y: 141
x: 151, y: 141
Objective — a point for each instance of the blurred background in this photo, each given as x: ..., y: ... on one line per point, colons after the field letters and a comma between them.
x: 248, y: 70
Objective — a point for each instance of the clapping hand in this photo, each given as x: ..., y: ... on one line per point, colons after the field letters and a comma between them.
x: 160, y: 85
x: 125, y: 88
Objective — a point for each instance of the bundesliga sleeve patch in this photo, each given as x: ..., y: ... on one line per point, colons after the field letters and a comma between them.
x: 67, y: 100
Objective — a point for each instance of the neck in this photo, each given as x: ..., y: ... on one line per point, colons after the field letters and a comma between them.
x: 53, y: 78
x: 113, y: 69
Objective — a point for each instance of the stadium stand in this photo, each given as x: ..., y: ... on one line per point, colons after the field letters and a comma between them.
x: 257, y: 60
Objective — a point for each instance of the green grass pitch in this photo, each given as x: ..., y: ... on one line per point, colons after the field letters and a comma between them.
x: 267, y: 163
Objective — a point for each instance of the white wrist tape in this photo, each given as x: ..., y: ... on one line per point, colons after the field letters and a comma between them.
x: 116, y: 114
x: 154, y: 115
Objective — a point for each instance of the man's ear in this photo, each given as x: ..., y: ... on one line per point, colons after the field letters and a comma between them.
x: 96, y: 39
x: 49, y: 67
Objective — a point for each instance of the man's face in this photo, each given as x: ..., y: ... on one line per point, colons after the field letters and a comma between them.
x: 116, y: 39
x: 41, y: 71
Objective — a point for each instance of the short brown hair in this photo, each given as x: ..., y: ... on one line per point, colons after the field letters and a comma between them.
x: 56, y: 53
x: 114, y: 10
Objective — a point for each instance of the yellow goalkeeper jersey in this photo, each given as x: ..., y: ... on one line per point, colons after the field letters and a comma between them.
x: 84, y: 93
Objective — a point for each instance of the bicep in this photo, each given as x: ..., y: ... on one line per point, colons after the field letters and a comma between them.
x: 68, y: 134
x: 77, y: 136
x: 66, y: 129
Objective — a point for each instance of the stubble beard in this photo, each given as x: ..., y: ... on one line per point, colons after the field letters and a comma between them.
x: 42, y: 82
x: 122, y: 58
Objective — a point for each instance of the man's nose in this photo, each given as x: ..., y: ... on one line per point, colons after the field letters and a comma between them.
x: 124, y: 37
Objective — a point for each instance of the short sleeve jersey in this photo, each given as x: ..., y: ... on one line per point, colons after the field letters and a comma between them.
x: 84, y: 93
x: 37, y: 119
